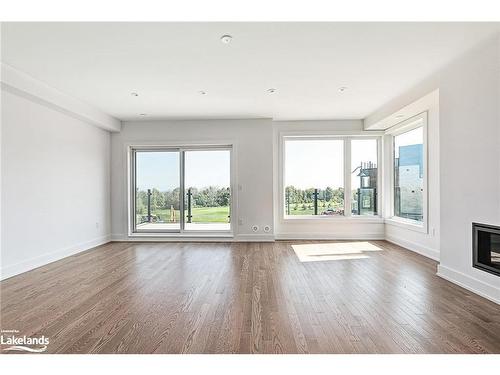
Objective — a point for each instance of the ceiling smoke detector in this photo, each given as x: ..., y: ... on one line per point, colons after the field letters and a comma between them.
x: 134, y: 94
x: 342, y: 89
x: 271, y: 91
x: 226, y: 39
x: 201, y: 92
x: 142, y: 114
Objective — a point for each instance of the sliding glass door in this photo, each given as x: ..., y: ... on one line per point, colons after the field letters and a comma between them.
x: 181, y: 189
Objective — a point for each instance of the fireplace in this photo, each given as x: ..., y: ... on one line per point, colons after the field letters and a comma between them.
x: 486, y: 248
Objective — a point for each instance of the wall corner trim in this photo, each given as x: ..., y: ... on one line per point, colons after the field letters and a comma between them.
x: 22, y: 84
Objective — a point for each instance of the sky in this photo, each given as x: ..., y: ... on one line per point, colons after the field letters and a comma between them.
x: 412, y: 137
x: 320, y: 163
x: 161, y: 169
x: 308, y: 164
x: 314, y: 163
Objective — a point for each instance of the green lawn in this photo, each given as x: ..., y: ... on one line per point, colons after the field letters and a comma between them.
x: 210, y: 214
x: 309, y: 210
x: 199, y: 215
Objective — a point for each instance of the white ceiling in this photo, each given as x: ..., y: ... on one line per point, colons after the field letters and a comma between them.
x: 167, y: 64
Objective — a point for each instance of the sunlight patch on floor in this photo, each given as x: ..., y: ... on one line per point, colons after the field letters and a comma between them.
x: 319, y: 252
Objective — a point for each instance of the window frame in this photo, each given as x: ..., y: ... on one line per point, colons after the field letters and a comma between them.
x: 415, y: 122
x: 131, y: 150
x: 346, y: 137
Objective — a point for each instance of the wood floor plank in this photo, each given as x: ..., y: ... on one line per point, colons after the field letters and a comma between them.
x: 246, y: 298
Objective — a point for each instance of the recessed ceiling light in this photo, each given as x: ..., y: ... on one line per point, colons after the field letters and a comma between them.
x: 271, y: 91
x: 226, y: 39
x: 134, y: 94
x: 142, y: 114
x: 342, y: 89
x: 201, y: 92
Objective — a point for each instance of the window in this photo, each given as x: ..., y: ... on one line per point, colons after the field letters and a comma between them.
x: 177, y: 189
x: 364, y: 177
x: 314, y: 177
x: 408, y: 182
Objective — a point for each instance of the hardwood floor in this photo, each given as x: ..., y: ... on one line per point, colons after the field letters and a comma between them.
x: 248, y: 298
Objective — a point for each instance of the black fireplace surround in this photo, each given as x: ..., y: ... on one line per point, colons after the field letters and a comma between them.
x: 486, y: 248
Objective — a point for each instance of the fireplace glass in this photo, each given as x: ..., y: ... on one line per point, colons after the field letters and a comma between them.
x: 486, y: 247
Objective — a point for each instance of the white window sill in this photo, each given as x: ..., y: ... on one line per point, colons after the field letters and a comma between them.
x: 407, y: 224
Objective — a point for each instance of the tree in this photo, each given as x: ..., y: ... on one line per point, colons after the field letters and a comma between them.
x: 157, y: 200
x: 222, y: 197
x: 328, y: 194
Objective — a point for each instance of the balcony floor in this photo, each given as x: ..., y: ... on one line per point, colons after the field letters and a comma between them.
x: 188, y: 226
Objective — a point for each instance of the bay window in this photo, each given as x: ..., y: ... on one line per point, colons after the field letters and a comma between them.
x: 408, y: 182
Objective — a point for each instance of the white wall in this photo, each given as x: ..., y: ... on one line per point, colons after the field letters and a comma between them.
x: 256, y: 146
x: 23, y: 84
x: 469, y: 146
x: 320, y: 227
x: 55, y: 184
x: 253, y: 144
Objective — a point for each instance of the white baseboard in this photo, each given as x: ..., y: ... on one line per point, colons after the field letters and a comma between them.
x: 412, y: 246
x: 328, y: 236
x: 118, y: 237
x: 198, y: 238
x: 42, y: 260
x: 254, y: 237
x: 470, y: 283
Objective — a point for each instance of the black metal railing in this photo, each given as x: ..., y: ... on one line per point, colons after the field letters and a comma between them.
x: 189, y: 214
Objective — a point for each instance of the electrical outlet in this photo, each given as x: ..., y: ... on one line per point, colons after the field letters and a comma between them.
x: 96, y: 225
x: 240, y: 221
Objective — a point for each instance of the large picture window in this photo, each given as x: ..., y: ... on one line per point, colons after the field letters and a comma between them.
x: 314, y: 177
x: 317, y: 171
x: 408, y: 181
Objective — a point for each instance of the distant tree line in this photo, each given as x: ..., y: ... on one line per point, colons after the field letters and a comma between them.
x: 304, y: 198
x: 210, y: 196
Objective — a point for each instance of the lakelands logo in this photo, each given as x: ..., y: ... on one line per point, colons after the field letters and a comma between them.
x: 23, y: 343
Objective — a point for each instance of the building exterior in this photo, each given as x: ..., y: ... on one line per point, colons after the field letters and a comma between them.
x: 409, y: 182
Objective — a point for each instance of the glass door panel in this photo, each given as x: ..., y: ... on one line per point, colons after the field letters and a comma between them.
x: 157, y: 191
x: 207, y: 185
